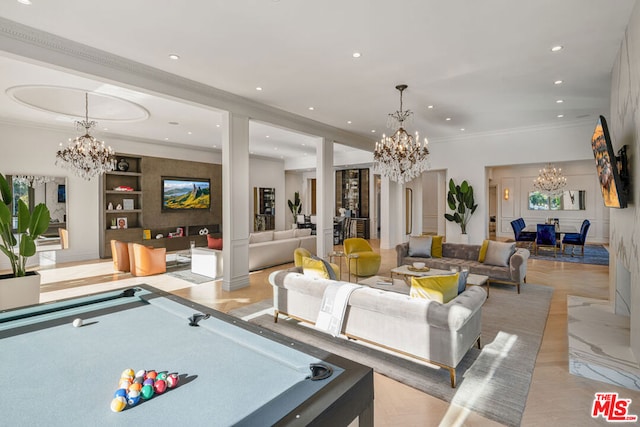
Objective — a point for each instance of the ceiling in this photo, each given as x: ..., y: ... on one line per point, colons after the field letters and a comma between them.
x: 483, y: 66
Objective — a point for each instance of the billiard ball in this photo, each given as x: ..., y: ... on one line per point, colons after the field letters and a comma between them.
x: 141, y: 373
x: 127, y: 373
x: 120, y: 392
x: 147, y: 392
x: 148, y: 381
x: 133, y: 397
x: 118, y: 403
x: 160, y: 386
x: 152, y: 375
x: 77, y: 323
x: 172, y: 380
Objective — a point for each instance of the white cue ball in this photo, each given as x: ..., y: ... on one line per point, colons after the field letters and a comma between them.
x: 77, y: 323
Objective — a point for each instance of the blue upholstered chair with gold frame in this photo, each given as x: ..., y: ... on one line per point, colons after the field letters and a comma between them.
x: 576, y: 239
x: 546, y: 237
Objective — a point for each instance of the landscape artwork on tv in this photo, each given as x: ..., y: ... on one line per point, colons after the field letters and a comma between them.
x: 186, y: 193
x: 607, y: 167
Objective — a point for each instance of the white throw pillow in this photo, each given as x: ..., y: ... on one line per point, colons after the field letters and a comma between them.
x: 302, y: 232
x: 281, y: 235
x: 265, y: 236
x: 420, y: 246
x: 499, y: 253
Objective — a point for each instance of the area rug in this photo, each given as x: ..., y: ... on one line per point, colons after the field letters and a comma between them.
x: 593, y: 254
x: 190, y: 277
x: 493, y: 382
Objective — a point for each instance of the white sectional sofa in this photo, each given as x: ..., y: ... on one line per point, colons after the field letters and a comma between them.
x: 420, y: 328
x: 269, y: 248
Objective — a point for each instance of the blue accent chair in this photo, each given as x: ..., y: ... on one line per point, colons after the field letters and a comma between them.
x: 521, y: 236
x: 576, y: 239
x: 546, y: 237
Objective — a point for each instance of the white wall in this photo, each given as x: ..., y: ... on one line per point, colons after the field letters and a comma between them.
x: 294, y: 181
x: 581, y: 175
x: 624, y: 127
x: 268, y: 173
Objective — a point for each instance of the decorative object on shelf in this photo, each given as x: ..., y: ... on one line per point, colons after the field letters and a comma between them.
x: 19, y: 244
x: 461, y: 202
x: 296, y: 206
x: 123, y: 165
x: 550, y: 180
x: 119, y: 207
x: 400, y: 157
x: 159, y: 236
x: 123, y: 188
x: 85, y: 155
x: 127, y: 204
x: 203, y: 231
x: 146, y: 234
x: 122, y: 222
x: 114, y: 225
x: 110, y: 206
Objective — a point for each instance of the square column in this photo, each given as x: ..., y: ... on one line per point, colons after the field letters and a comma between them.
x: 235, y: 201
x: 325, y: 196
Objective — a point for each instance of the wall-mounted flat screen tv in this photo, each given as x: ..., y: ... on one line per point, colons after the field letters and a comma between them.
x: 607, y: 165
x: 185, y: 193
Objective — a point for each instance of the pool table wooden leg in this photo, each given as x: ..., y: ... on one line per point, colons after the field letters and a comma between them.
x: 365, y: 419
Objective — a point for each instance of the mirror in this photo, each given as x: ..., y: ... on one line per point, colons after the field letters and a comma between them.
x: 52, y: 191
x: 569, y: 200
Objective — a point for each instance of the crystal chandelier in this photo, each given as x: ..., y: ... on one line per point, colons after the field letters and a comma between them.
x: 400, y: 157
x: 550, y: 180
x: 85, y: 155
x: 33, y: 180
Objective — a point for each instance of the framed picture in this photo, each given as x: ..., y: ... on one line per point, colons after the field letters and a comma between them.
x: 62, y: 193
x: 127, y: 204
x: 122, y: 222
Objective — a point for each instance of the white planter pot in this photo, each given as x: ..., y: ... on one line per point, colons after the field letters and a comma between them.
x: 464, y: 238
x: 19, y: 291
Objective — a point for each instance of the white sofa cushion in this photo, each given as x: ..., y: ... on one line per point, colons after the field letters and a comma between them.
x: 302, y: 232
x: 286, y: 234
x: 264, y: 236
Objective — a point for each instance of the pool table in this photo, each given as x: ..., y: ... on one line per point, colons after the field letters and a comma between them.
x: 230, y: 372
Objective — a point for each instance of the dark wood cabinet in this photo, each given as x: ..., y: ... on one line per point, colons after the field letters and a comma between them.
x: 352, y: 192
x: 264, y: 208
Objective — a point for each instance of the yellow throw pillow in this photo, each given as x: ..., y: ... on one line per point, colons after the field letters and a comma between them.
x: 483, y: 251
x: 437, y: 288
x: 314, y: 268
x: 436, y: 246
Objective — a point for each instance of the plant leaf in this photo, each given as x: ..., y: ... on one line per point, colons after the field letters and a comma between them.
x: 464, y: 187
x: 24, y: 217
x: 5, y: 190
x: 27, y: 246
x: 452, y: 186
x: 39, y: 220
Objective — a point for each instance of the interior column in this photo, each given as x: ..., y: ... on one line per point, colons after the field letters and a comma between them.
x: 235, y: 201
x: 391, y: 213
x: 325, y: 197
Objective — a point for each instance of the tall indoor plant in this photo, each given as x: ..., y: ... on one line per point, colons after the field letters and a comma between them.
x: 18, y: 245
x: 296, y: 206
x: 461, y: 202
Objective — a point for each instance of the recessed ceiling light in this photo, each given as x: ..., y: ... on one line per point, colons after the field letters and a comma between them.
x: 311, y: 108
x: 461, y: 129
x: 217, y: 126
x: 356, y: 55
x: 174, y: 56
x: 174, y: 123
x: 430, y: 107
x: 303, y: 144
x: 189, y: 133
x: 267, y: 136
x: 557, y: 82
x: 559, y: 101
x: 448, y: 119
x: 373, y: 131
x: 275, y: 148
x: 560, y: 116
x: 105, y: 128
x: 348, y: 122
x: 556, y: 48
x: 27, y: 2
x: 166, y: 139
x: 258, y: 88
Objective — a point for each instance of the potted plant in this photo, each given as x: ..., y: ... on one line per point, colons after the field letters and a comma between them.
x: 461, y: 202
x: 21, y: 287
x: 295, y: 207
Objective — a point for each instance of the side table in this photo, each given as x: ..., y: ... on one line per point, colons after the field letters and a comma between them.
x: 340, y: 255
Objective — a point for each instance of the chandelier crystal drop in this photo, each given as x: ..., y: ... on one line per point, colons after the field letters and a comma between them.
x: 33, y: 180
x: 550, y: 180
x: 85, y: 155
x: 401, y: 157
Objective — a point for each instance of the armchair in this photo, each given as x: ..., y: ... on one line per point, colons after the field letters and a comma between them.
x: 120, y: 255
x: 146, y: 261
x: 521, y: 236
x: 576, y: 239
x: 546, y: 237
x: 361, y: 258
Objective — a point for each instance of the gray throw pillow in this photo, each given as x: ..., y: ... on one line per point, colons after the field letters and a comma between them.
x: 462, y: 281
x: 499, y: 253
x: 420, y: 246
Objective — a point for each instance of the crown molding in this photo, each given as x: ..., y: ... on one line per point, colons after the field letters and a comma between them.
x: 27, y: 42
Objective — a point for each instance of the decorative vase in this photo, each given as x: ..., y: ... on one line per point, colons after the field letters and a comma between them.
x: 123, y: 165
x: 19, y: 291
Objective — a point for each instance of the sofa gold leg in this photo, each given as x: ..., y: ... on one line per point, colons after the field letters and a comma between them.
x: 275, y: 316
x: 479, y: 344
x: 452, y: 374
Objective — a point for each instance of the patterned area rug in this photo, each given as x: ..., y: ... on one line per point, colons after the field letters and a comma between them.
x: 493, y: 382
x: 190, y: 277
x: 593, y: 254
